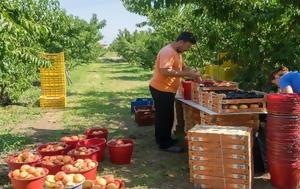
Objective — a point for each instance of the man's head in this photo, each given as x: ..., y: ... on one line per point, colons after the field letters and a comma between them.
x: 184, y: 41
x: 275, y: 76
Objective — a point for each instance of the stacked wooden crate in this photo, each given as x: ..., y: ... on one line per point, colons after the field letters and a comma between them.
x: 220, y: 157
x: 53, y: 82
x: 191, y: 117
x: 248, y: 120
x: 222, y: 105
x: 195, y: 92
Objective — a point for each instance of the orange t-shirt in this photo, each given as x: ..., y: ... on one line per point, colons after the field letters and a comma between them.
x: 166, y: 58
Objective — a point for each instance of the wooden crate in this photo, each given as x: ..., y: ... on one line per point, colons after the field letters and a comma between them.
x: 179, y: 117
x: 221, y: 105
x: 191, y: 117
x: 233, y: 87
x: 195, y: 92
x: 247, y: 120
x: 220, y: 156
x: 205, y: 99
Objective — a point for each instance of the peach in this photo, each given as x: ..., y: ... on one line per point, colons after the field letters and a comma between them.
x: 78, y: 178
x: 60, y: 175
x: 119, y: 142
x: 101, y: 181
x: 109, y: 178
x: 24, y: 167
x: 112, y: 186
x: 16, y: 173
x: 88, y: 184
x: 31, y: 170
x: 67, y: 179
x: 23, y: 174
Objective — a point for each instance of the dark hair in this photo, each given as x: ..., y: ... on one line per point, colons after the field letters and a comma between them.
x: 280, y: 69
x: 187, y: 37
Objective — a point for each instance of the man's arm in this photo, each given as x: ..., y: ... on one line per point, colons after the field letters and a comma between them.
x: 183, y: 73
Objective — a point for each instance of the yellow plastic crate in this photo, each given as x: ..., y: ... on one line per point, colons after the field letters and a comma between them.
x: 58, y: 63
x: 53, y: 79
x: 53, y: 90
x: 53, y: 102
x: 55, y: 57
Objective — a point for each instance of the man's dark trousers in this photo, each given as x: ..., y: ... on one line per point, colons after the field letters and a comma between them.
x: 164, y: 116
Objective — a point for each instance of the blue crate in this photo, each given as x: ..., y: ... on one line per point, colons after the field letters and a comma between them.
x: 141, y: 102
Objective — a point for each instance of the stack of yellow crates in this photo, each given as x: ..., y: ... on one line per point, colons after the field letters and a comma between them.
x: 53, y: 82
x: 226, y: 71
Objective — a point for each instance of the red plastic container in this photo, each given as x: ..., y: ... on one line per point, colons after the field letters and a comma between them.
x: 89, y: 174
x: 53, y: 169
x: 36, y: 183
x: 187, y: 90
x: 89, y: 133
x: 144, y: 115
x: 120, y: 154
x: 99, y: 142
x: 93, y: 156
x: 53, y: 153
x: 283, y: 140
x: 13, y: 165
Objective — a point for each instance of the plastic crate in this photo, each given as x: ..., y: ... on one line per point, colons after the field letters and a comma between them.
x: 53, y: 102
x: 141, y: 102
x: 144, y: 115
x: 56, y: 57
x: 58, y: 63
x: 54, y: 90
x: 53, y: 78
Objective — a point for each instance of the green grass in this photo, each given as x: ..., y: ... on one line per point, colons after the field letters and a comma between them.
x: 26, y: 109
x: 100, y: 96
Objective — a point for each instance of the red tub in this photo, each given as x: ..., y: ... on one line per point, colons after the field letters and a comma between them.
x: 93, y: 156
x: 90, y: 133
x: 90, y: 174
x: 99, y: 142
x: 36, y: 183
x: 55, y: 152
x: 53, y: 169
x: 13, y: 165
x: 120, y: 154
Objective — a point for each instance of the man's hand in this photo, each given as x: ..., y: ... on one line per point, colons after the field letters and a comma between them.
x: 195, y: 75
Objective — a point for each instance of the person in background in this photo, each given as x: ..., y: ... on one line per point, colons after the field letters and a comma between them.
x: 288, y: 82
x: 168, y: 71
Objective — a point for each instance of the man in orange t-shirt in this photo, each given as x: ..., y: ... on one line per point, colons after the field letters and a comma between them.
x: 168, y: 70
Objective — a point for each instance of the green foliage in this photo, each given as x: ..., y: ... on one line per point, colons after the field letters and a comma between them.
x: 30, y: 27
x: 137, y: 47
x: 259, y: 35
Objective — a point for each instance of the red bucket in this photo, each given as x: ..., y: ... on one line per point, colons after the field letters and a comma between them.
x: 93, y: 156
x: 120, y: 154
x: 36, y: 183
x: 72, y: 143
x: 92, y: 133
x: 13, y: 165
x: 99, y: 142
x: 90, y: 174
x: 55, y: 152
x: 187, y: 90
x: 55, y: 168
